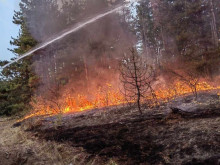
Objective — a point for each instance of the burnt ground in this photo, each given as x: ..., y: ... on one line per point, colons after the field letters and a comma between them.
x: 119, y: 135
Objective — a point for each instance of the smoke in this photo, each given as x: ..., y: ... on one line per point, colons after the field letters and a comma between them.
x: 173, y: 37
x: 86, y: 60
x: 83, y: 61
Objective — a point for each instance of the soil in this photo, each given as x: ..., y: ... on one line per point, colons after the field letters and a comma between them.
x: 119, y: 135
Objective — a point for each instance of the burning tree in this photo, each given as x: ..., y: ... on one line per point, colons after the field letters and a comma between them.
x: 136, y: 76
x: 191, y: 79
x: 50, y: 103
x: 186, y: 73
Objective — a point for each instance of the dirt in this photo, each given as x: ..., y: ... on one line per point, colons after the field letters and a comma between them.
x: 119, y: 135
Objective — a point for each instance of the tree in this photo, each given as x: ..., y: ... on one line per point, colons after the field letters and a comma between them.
x: 42, y: 18
x: 18, y: 81
x: 214, y: 25
x: 136, y: 77
x: 83, y: 58
x: 148, y: 29
x: 174, y: 29
x: 190, y: 78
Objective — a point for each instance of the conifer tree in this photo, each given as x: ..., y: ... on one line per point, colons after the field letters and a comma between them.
x: 18, y: 80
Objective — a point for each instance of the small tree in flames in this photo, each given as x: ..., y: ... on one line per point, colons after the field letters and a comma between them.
x: 186, y: 75
x: 136, y: 77
x: 50, y: 103
x: 191, y: 79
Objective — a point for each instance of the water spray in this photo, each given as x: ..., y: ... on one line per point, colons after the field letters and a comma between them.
x: 65, y: 33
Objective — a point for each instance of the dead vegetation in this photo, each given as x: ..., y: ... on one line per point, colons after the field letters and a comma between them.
x: 137, y: 77
x: 121, y: 136
x: 19, y: 147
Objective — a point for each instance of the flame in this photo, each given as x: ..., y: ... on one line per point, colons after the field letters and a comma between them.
x: 111, y: 97
x: 180, y: 88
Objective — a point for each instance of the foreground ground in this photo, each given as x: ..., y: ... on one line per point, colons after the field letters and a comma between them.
x: 190, y: 134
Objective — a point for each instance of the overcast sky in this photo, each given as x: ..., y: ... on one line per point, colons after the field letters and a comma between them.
x: 7, y: 28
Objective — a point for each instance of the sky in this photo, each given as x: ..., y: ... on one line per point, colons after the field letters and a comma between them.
x: 7, y: 28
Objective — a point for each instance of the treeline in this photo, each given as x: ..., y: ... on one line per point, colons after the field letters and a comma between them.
x: 177, y: 35
x: 181, y: 33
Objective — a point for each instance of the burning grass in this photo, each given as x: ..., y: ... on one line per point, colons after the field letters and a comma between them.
x: 158, y: 137
x: 108, y: 96
x: 120, y: 136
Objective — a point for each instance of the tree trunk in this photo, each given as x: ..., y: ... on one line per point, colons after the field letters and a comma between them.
x: 86, y: 73
x: 137, y: 85
x: 195, y: 90
x: 144, y: 34
x: 139, y: 104
x: 213, y: 25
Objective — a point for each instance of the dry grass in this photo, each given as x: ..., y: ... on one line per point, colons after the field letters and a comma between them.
x: 20, y: 147
x: 114, y: 137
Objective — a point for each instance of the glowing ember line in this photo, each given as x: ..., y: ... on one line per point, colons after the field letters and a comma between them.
x: 65, y: 33
x: 112, y: 97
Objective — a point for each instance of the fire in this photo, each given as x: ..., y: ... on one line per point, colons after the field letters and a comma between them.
x: 179, y: 89
x: 108, y: 96
x: 104, y: 97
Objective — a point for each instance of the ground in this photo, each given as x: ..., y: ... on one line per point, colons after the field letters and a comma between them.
x: 119, y: 135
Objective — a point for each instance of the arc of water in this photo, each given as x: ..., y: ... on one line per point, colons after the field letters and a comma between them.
x: 65, y: 33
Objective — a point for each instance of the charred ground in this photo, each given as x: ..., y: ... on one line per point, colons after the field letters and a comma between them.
x: 190, y: 134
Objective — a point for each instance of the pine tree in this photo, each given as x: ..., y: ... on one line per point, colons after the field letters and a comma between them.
x: 181, y: 31
x: 148, y: 29
x: 18, y: 80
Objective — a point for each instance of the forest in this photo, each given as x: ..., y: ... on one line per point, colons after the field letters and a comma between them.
x: 136, y: 85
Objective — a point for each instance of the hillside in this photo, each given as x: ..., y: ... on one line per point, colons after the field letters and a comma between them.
x: 118, y: 135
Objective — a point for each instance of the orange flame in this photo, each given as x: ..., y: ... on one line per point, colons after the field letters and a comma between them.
x: 112, y: 97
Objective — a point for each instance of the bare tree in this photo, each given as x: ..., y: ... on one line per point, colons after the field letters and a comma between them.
x: 136, y: 77
x: 51, y: 102
x: 190, y: 78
